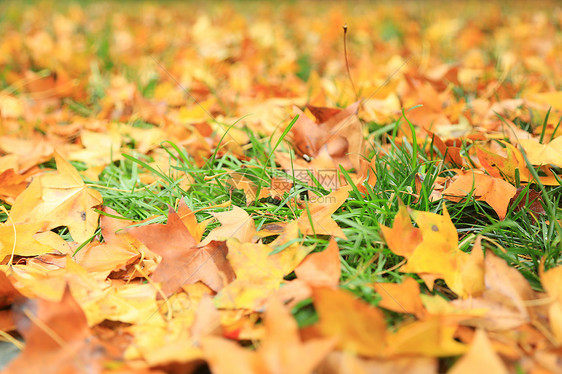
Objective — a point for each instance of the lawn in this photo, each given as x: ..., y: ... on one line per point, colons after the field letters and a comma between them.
x: 304, y: 187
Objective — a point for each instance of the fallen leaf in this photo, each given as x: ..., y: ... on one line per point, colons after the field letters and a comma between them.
x: 451, y: 154
x: 162, y: 342
x: 480, y: 358
x: 321, y: 268
x: 322, y: 114
x: 239, y: 181
x: 512, y: 165
x: 100, y: 148
x: 339, y: 130
x: 288, y: 248
x: 260, y: 269
x: 494, y: 191
x: 196, y: 229
x: 130, y: 303
x: 367, y: 174
x: 89, y: 88
x: 346, y: 125
x: 533, y: 197
x: 257, y: 276
x: 34, y: 281
x: 402, y: 238
x: 280, y: 351
x: 307, y: 135
x: 504, y: 298
x: 119, y: 250
x: 359, y: 327
x: 317, y: 217
x: 548, y: 99
x: 8, y: 293
x: 433, y: 337
x: 438, y: 253
x: 30, y: 152
x: 18, y: 240
x: 235, y: 223
x: 11, y: 184
x: 182, y: 261
x: 543, y: 154
x: 207, y: 320
x: 473, y: 270
x: 59, y: 199
x: 349, y: 363
x: 551, y: 282
x: 57, y: 338
x: 402, y: 298
x: 318, y: 269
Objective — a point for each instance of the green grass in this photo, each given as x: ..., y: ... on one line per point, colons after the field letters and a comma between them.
x: 523, y: 238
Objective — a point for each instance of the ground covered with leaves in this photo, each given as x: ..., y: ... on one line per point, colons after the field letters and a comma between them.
x: 298, y: 188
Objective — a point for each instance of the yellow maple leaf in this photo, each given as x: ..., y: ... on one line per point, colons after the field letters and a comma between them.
x: 19, y: 240
x: 260, y: 269
x: 543, y: 154
x: 99, y: 148
x: 317, y: 217
x: 59, y: 199
x: 235, y: 223
x: 431, y: 337
x: 437, y: 254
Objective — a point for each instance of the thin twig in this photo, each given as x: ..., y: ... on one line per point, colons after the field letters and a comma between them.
x: 347, y: 62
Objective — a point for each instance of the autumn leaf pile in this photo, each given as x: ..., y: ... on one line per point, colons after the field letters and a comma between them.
x: 119, y: 121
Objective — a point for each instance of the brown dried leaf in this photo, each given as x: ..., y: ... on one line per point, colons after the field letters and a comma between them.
x: 182, y: 261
